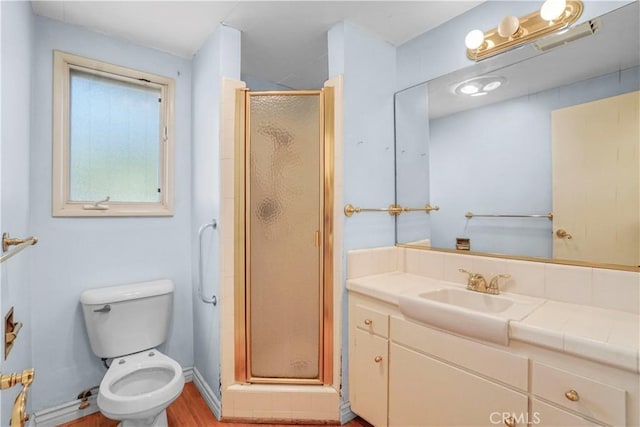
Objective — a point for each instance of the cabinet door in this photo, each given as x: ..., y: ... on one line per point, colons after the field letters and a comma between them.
x: 544, y: 415
x: 426, y: 392
x: 368, y: 376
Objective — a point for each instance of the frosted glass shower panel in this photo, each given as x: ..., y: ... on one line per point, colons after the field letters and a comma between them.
x: 114, y: 139
x: 284, y: 220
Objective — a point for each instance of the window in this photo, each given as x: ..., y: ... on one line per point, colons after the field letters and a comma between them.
x: 112, y: 140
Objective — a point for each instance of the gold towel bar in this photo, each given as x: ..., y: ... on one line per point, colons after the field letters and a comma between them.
x: 470, y: 215
x: 19, y: 244
x: 394, y: 210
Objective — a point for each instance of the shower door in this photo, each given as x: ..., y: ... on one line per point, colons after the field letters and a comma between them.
x: 287, y: 178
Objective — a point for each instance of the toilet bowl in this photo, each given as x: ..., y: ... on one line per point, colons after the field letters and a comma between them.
x: 138, y: 388
x: 126, y: 323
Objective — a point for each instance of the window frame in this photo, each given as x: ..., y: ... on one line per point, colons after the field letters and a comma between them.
x: 62, y: 206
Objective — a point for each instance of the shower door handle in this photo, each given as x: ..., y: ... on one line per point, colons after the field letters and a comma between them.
x: 316, y: 238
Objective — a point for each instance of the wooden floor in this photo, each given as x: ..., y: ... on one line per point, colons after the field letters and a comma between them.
x: 189, y: 410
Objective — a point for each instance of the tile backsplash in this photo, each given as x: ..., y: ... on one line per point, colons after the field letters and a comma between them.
x: 597, y: 287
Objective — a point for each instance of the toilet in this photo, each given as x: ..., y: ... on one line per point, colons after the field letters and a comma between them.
x: 125, y: 323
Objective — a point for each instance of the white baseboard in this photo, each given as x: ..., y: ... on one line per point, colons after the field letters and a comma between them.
x: 70, y: 411
x: 207, y: 394
x: 188, y: 374
x: 63, y: 413
x: 345, y: 413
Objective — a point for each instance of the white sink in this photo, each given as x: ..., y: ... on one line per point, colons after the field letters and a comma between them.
x: 485, y: 303
x: 469, y: 313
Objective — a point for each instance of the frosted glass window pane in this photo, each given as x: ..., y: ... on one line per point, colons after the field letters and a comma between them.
x: 284, y: 214
x: 114, y: 140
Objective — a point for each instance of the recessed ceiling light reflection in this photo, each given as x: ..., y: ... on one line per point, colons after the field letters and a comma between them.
x: 492, y: 86
x: 478, y: 86
x: 469, y: 89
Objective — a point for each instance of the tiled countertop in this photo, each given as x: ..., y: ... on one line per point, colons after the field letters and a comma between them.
x: 608, y: 336
x: 603, y: 335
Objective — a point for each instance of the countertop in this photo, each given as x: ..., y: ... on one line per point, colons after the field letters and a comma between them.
x: 603, y: 335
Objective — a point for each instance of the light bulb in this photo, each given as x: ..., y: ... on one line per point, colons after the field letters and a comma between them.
x: 469, y: 89
x: 508, y: 26
x: 474, y: 39
x: 492, y: 86
x: 552, y: 9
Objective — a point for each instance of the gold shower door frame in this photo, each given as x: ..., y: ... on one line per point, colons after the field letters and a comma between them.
x: 242, y: 330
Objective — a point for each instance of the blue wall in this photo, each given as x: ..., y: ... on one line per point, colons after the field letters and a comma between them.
x: 16, y: 60
x: 368, y: 67
x: 218, y: 57
x: 505, y: 167
x: 75, y: 254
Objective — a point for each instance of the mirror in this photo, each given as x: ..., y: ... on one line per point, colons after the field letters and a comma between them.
x: 545, y: 166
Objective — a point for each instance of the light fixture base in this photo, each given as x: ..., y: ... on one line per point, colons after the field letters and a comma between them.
x: 532, y: 27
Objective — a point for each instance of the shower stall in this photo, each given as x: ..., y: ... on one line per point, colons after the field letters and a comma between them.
x: 283, y: 218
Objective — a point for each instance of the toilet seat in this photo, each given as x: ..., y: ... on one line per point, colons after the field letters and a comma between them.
x: 135, y: 386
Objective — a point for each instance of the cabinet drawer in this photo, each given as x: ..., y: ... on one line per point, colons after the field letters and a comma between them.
x: 544, y: 415
x: 596, y: 400
x: 371, y: 320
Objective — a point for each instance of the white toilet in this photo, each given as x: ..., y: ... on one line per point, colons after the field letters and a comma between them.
x: 125, y: 323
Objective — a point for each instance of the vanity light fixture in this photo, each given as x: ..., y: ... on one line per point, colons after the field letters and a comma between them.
x: 479, y: 86
x: 512, y: 31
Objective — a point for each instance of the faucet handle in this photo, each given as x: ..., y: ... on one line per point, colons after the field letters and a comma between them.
x: 494, y: 287
x: 462, y: 270
x: 472, y: 281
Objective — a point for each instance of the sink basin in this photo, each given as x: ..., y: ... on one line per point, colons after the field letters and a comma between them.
x: 468, y: 313
x: 485, y: 303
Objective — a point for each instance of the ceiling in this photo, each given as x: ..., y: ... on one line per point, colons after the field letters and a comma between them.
x: 282, y: 42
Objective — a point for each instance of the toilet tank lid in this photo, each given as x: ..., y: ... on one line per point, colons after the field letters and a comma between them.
x: 112, y: 294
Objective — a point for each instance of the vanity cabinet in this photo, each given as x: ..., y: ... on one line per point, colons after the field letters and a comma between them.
x: 424, y: 391
x: 405, y: 373
x: 369, y: 364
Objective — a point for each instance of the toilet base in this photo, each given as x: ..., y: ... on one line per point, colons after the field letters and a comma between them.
x: 159, y: 421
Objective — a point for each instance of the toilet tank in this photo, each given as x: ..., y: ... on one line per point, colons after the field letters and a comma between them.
x: 127, y: 319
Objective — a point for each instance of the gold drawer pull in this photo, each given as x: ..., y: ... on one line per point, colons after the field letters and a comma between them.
x: 572, y: 395
x: 378, y: 359
x: 368, y: 322
x: 510, y: 422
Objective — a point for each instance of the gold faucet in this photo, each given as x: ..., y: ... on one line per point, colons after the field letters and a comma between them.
x: 494, y: 287
x: 476, y: 282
